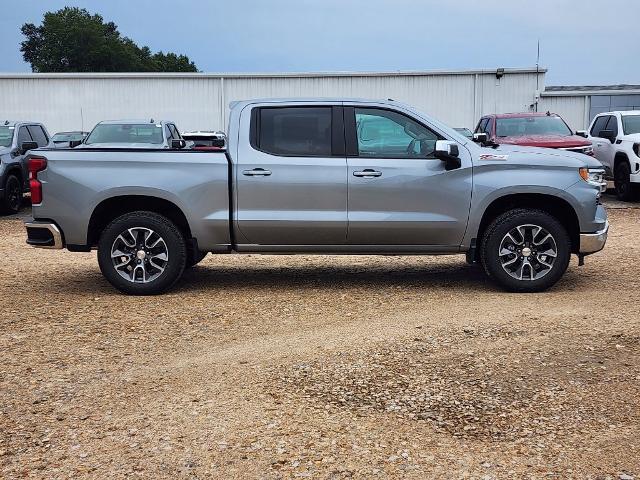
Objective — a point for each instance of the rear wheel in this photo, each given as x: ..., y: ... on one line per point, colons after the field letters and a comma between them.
x: 12, y: 200
x: 525, y: 250
x: 622, y: 179
x: 142, y: 253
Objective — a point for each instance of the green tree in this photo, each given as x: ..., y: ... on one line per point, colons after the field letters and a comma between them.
x: 73, y: 40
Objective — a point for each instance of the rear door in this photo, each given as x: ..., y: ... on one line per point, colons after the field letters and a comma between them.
x: 291, y: 176
x: 399, y: 193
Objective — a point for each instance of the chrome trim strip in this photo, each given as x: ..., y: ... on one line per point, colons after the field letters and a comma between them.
x: 594, y: 242
x: 55, y: 233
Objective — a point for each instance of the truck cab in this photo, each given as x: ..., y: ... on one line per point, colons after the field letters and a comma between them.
x: 616, y: 144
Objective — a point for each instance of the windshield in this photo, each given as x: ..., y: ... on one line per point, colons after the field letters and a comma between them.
x: 6, y: 136
x: 525, y: 126
x: 126, y: 133
x: 631, y: 124
x: 67, y: 137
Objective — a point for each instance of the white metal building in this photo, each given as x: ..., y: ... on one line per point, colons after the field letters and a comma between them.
x: 200, y: 100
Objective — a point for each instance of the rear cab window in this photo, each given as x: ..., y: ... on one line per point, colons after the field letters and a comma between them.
x: 292, y: 131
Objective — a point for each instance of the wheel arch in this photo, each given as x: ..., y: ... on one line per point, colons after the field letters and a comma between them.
x: 619, y: 158
x: 555, y: 206
x: 113, y: 207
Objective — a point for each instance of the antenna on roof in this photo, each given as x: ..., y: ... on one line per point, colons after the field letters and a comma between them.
x: 6, y: 122
x: 152, y: 121
x: 548, y: 113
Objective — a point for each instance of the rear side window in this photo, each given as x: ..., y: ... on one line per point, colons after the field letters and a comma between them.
x: 38, y: 135
x: 23, y: 136
x: 598, y: 125
x: 293, y: 131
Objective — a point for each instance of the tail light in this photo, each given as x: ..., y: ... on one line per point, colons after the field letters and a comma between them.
x: 36, y: 164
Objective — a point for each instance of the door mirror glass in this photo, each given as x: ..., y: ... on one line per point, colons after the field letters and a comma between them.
x: 581, y: 133
x: 26, y: 146
x: 608, y: 134
x: 178, y: 143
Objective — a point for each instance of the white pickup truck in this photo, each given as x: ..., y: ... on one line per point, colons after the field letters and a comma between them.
x: 616, y: 143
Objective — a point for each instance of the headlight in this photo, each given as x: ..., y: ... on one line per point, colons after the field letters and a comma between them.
x: 595, y: 177
x: 588, y: 151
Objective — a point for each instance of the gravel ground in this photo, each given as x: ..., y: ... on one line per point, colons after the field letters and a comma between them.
x: 320, y: 367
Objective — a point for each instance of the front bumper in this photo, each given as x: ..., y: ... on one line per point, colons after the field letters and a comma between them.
x: 42, y: 234
x: 593, y: 242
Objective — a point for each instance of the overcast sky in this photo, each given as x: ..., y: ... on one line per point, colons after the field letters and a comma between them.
x: 582, y: 41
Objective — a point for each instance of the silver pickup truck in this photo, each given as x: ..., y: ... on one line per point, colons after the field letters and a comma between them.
x: 321, y: 176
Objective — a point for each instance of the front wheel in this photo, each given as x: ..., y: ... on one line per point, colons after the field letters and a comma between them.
x: 625, y: 190
x: 525, y: 250
x: 12, y: 195
x: 142, y: 253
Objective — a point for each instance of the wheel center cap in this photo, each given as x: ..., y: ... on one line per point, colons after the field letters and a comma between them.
x: 140, y: 254
x: 526, y: 252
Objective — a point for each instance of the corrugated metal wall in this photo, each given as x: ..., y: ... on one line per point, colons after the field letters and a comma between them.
x: 200, y: 101
x: 574, y: 109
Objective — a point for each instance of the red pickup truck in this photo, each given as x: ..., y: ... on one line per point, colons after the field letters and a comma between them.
x: 530, y: 129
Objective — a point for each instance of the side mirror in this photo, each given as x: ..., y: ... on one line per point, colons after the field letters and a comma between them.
x: 608, y: 134
x: 581, y: 133
x: 480, y: 137
x: 26, y: 146
x: 448, y: 152
x: 178, y: 143
x: 74, y: 143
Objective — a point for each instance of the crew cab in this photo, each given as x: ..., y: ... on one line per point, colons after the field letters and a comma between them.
x: 16, y: 139
x: 533, y: 129
x: 321, y: 176
x: 616, y: 144
x: 150, y: 134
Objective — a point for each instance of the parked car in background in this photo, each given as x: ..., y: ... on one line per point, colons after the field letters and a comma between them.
x: 16, y: 139
x: 531, y: 129
x: 616, y: 144
x: 464, y: 131
x: 68, y: 139
x: 321, y: 176
x: 134, y: 134
x: 206, y: 139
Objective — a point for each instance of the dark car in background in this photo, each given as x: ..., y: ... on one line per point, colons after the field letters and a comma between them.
x: 533, y: 129
x: 68, y: 139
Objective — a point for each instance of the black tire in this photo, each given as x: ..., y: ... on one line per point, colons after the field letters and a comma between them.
x: 172, y: 242
x: 12, y: 200
x: 625, y: 190
x: 496, y: 234
x: 194, y: 257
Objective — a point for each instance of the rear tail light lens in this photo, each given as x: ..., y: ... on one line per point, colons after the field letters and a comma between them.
x: 36, y: 164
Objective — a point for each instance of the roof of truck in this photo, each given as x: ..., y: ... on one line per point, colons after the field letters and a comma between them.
x: 133, y: 121
x: 313, y: 100
x: 13, y: 123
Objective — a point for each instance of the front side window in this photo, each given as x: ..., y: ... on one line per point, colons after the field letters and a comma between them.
x: 526, y: 126
x: 612, y: 125
x: 6, y: 136
x: 174, y: 131
x: 389, y: 134
x: 23, y: 136
x: 126, y: 133
x: 481, y: 125
x: 38, y: 135
x: 598, y: 125
x: 294, y: 131
x: 631, y: 124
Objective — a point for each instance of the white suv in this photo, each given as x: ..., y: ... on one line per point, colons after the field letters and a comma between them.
x: 616, y: 143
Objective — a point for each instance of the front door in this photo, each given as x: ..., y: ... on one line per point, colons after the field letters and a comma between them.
x: 291, y: 177
x: 399, y: 193
x: 603, y: 149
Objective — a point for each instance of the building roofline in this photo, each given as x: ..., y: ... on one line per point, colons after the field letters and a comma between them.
x: 407, y: 73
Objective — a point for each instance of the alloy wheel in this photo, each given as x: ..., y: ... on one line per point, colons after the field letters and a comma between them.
x: 139, y: 255
x: 528, y: 252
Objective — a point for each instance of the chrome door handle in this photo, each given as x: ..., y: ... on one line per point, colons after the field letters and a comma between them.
x: 257, y: 172
x: 367, y: 172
